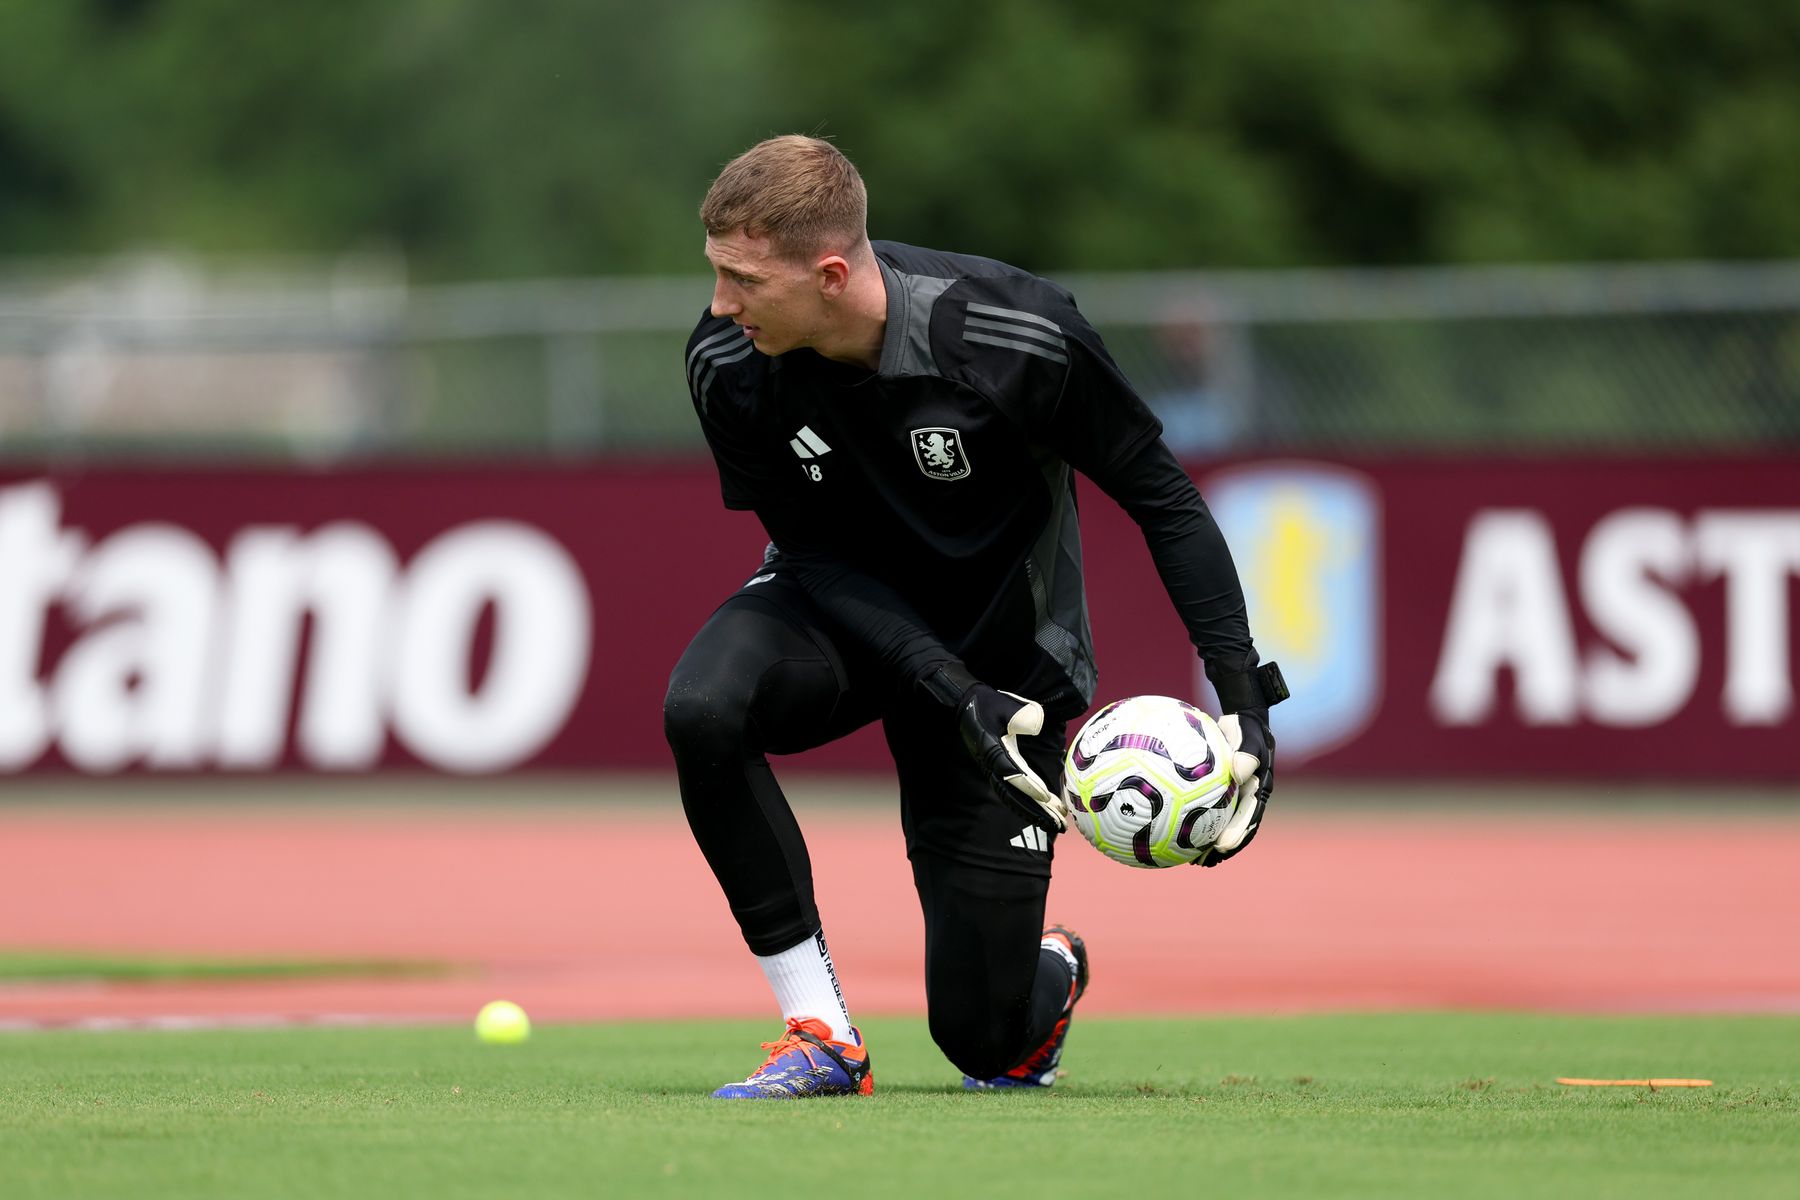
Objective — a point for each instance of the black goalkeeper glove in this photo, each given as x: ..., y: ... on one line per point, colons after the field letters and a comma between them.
x: 992, y: 722
x: 1253, y: 769
x: 1247, y: 697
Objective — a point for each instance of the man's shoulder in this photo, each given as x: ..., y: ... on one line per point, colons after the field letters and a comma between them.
x: 1025, y: 299
x: 942, y: 264
x: 983, y: 281
x: 1005, y: 334
x: 993, y: 325
x: 977, y: 277
x: 722, y: 364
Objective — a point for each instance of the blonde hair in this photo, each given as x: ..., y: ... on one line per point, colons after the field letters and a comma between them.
x: 800, y: 192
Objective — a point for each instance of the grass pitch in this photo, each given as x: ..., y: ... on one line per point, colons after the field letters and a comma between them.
x: 1392, y: 1105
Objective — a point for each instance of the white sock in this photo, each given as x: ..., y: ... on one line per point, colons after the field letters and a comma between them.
x: 806, y: 985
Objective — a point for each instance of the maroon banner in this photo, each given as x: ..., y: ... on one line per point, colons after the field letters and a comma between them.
x: 1591, y: 617
x: 1445, y: 618
x: 465, y: 619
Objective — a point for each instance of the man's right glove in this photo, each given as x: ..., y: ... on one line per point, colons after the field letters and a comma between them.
x: 1253, y: 768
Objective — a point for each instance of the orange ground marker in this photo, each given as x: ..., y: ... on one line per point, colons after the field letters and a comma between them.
x: 1649, y: 1083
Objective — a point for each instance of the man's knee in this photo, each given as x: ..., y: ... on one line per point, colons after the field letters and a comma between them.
x: 703, y: 713
x: 982, y: 1045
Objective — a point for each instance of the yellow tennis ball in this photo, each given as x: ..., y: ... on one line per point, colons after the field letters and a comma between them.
x: 501, y: 1022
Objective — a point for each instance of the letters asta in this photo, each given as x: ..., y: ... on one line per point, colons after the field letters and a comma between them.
x: 1510, y: 611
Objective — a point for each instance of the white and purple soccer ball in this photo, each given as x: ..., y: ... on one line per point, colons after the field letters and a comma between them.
x: 1148, y: 781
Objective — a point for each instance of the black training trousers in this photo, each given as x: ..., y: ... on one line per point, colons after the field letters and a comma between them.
x: 763, y: 677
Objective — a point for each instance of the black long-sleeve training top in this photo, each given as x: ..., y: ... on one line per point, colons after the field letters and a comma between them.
x: 928, y: 508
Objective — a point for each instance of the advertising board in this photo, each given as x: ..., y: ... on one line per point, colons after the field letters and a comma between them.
x: 1435, y: 617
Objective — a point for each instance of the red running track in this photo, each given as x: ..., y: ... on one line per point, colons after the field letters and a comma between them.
x: 584, y: 914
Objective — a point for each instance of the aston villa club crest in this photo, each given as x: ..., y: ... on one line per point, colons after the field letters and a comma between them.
x: 940, y: 454
x: 1307, y: 540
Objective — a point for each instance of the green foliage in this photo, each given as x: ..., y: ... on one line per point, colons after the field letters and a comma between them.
x: 576, y: 136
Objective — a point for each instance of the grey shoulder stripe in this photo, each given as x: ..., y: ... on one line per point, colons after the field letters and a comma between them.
x: 1007, y: 327
x: 1013, y: 314
x: 1027, y: 347
x: 706, y: 356
x: 712, y: 373
x: 704, y: 347
x: 718, y: 356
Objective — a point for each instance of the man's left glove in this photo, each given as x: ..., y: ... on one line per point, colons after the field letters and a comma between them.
x: 992, y: 723
x: 1253, y: 768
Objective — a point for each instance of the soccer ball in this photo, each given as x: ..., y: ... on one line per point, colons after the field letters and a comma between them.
x: 1148, y: 781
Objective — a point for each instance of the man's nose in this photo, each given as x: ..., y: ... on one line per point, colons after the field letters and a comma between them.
x: 723, y: 305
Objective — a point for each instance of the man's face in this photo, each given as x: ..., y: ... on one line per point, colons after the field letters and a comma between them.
x: 776, y: 300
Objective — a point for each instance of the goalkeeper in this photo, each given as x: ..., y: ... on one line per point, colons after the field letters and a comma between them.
x: 906, y: 424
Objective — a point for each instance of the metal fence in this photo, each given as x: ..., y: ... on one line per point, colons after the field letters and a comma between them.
x: 149, y: 359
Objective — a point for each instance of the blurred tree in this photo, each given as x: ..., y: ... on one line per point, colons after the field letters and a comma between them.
x: 576, y: 136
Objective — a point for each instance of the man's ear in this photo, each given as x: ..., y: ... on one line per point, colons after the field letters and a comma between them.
x: 833, y: 274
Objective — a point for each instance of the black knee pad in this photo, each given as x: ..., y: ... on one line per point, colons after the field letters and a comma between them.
x: 703, y: 716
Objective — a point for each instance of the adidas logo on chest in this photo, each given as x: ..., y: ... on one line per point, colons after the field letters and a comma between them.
x: 809, y: 447
x: 808, y: 444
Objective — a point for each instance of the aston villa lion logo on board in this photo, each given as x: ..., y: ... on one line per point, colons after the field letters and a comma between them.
x: 940, y: 453
x: 1307, y: 540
